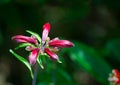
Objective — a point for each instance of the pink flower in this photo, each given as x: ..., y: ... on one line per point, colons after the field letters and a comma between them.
x: 24, y: 39
x: 45, y: 46
x: 114, y: 77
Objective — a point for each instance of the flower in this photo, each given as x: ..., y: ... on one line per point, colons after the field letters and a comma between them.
x: 114, y: 77
x: 46, y: 46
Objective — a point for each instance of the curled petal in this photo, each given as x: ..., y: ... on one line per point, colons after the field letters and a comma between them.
x: 61, y: 43
x: 23, y: 39
x: 51, y: 54
x: 33, y: 56
x: 29, y: 48
x: 46, y: 30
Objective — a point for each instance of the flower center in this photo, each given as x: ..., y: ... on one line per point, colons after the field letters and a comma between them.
x: 43, y: 46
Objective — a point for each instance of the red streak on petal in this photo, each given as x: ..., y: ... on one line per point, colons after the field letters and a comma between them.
x: 61, y: 43
x: 51, y: 54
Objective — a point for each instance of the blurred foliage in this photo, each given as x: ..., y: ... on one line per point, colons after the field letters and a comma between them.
x: 91, y: 61
x: 93, y: 25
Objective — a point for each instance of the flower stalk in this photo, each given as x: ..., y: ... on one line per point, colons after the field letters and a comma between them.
x: 35, y: 74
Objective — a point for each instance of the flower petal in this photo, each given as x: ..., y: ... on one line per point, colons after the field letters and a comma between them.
x: 23, y: 39
x: 51, y: 54
x: 46, y: 30
x: 33, y: 56
x: 116, y: 72
x: 61, y: 43
x: 114, y: 77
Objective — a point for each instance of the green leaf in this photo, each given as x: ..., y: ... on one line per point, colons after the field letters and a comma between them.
x: 22, y: 45
x: 91, y: 61
x: 24, y: 61
x: 35, y: 34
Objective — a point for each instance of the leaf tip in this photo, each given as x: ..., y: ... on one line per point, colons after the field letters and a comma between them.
x: 59, y: 61
x: 10, y: 50
x: 27, y: 31
x: 42, y: 67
